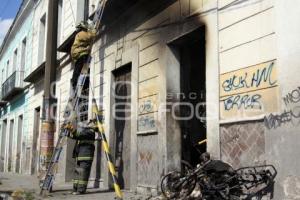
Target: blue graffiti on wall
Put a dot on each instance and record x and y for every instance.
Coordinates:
(146, 123)
(246, 80)
(243, 101)
(146, 106)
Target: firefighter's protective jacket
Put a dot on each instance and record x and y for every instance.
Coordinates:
(84, 148)
(82, 44)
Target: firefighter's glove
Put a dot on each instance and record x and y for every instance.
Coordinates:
(92, 122)
(98, 136)
(68, 127)
(93, 125)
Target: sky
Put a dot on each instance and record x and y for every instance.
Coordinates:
(8, 10)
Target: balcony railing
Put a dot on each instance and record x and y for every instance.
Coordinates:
(12, 86)
(2, 103)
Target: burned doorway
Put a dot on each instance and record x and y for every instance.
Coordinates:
(122, 124)
(191, 51)
(36, 135)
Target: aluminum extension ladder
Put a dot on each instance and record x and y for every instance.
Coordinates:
(69, 115)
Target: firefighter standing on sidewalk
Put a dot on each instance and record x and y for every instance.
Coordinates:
(84, 154)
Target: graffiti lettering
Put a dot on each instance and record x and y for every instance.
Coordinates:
(146, 106)
(146, 123)
(247, 81)
(275, 121)
(263, 75)
(235, 83)
(292, 97)
(243, 101)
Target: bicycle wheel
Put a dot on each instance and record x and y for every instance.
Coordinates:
(175, 185)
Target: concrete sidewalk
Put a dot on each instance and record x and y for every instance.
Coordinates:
(13, 182)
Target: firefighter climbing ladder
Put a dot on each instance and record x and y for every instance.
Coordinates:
(69, 115)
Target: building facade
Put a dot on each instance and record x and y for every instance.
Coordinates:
(15, 57)
(170, 74)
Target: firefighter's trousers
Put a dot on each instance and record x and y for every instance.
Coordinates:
(82, 174)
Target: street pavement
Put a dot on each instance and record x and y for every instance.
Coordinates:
(28, 185)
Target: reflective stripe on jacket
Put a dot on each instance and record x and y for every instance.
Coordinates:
(84, 151)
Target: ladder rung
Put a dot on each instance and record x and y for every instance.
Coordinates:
(58, 148)
(57, 155)
(47, 182)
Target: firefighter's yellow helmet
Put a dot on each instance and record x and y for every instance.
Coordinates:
(82, 26)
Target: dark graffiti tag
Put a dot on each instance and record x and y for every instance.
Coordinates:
(246, 80)
(243, 101)
(292, 97)
(287, 117)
